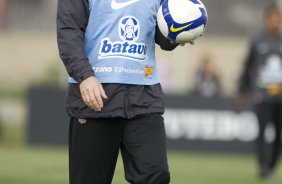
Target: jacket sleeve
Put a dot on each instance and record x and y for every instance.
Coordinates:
(246, 76)
(162, 41)
(72, 19)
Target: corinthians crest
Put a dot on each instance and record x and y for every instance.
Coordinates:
(129, 29)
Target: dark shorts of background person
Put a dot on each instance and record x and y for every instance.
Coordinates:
(94, 146)
(268, 113)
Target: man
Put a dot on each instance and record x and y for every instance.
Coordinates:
(206, 82)
(114, 97)
(262, 80)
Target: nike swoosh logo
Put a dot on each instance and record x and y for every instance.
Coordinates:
(174, 30)
(115, 5)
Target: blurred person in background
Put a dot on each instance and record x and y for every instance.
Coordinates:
(206, 82)
(4, 13)
(261, 79)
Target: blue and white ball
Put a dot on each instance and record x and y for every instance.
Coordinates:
(182, 21)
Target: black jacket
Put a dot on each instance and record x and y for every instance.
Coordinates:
(123, 100)
(263, 47)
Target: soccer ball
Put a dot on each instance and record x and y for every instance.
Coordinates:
(182, 21)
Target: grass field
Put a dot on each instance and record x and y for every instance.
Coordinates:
(49, 166)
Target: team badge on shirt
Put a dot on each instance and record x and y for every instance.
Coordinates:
(129, 29)
(128, 47)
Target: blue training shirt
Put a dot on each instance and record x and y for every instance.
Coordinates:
(120, 41)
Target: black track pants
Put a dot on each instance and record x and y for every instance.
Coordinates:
(94, 146)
